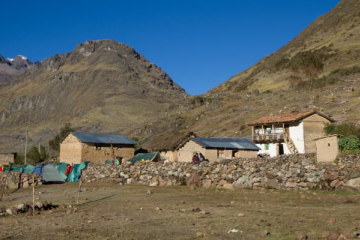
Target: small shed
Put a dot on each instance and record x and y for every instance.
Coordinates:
(214, 149)
(327, 148)
(79, 147)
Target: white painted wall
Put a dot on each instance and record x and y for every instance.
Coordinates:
(271, 152)
(296, 132)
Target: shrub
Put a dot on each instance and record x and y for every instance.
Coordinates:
(344, 129)
(349, 143)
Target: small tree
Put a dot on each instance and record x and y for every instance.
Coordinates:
(42, 154)
(33, 155)
(64, 132)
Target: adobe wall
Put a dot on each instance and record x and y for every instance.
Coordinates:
(170, 155)
(211, 155)
(313, 129)
(246, 154)
(327, 149)
(98, 154)
(6, 158)
(185, 153)
(70, 150)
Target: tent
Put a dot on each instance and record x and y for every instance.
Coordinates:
(146, 157)
(27, 168)
(75, 173)
(12, 169)
(61, 168)
(48, 173)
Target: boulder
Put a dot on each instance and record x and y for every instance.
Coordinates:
(206, 183)
(354, 183)
(194, 179)
(272, 183)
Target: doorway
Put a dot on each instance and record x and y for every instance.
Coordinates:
(281, 149)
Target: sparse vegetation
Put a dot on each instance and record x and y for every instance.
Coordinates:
(311, 63)
(345, 129)
(334, 77)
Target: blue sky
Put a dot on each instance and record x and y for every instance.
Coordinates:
(199, 43)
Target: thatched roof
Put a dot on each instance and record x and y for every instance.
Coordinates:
(168, 141)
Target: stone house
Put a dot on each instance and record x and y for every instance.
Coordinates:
(6, 158)
(214, 149)
(78, 147)
(289, 133)
(327, 148)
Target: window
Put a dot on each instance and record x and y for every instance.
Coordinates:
(328, 144)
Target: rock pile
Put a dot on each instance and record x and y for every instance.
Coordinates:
(15, 180)
(284, 172)
(23, 208)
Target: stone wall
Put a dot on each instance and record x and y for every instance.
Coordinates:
(284, 172)
(13, 180)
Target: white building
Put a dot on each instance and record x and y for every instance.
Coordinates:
(289, 133)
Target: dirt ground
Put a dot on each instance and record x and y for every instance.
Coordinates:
(109, 211)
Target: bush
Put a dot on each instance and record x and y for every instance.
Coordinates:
(349, 143)
(344, 129)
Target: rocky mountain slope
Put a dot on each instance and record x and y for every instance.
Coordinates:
(319, 69)
(101, 86)
(13, 67)
(104, 86)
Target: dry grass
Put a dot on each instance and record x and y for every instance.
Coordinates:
(109, 211)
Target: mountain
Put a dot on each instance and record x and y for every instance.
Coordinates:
(101, 86)
(318, 69)
(13, 67)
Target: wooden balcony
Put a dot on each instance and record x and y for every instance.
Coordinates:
(268, 138)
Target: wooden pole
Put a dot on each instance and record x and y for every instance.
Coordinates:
(78, 196)
(3, 189)
(26, 139)
(113, 153)
(33, 188)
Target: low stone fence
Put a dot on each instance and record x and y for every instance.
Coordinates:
(283, 172)
(13, 180)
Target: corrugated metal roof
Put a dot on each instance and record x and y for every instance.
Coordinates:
(227, 143)
(86, 137)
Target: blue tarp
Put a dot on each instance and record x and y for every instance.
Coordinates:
(38, 169)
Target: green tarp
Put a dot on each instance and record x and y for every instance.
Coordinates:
(61, 167)
(27, 168)
(12, 169)
(146, 157)
(76, 172)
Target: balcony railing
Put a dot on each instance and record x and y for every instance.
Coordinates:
(268, 137)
